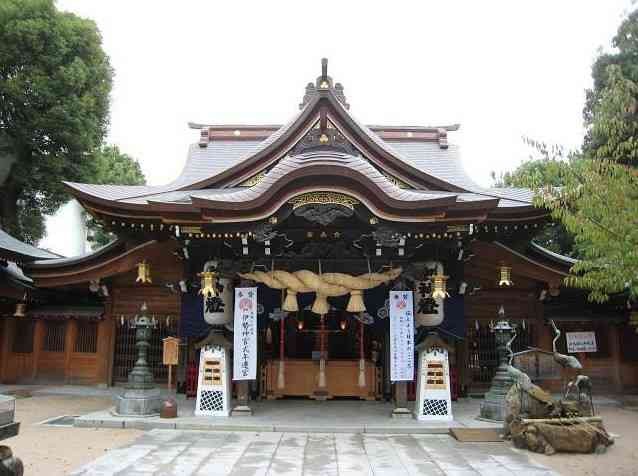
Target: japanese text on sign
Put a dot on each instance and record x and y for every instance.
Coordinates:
(401, 336)
(245, 339)
(581, 342)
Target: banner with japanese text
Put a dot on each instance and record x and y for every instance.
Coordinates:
(401, 336)
(245, 339)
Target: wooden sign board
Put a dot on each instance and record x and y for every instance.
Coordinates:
(171, 351)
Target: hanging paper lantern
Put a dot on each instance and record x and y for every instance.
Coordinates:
(428, 308)
(506, 276)
(218, 304)
(143, 273)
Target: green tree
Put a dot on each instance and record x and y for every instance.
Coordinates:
(110, 166)
(611, 107)
(553, 236)
(55, 81)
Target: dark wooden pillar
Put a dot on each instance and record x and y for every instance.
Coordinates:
(38, 341)
(69, 346)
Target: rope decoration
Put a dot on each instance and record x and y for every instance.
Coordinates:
(324, 285)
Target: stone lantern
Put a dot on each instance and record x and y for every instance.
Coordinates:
(493, 407)
(141, 397)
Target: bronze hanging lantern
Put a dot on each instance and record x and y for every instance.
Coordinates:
(209, 284)
(343, 324)
(506, 276)
(143, 273)
(21, 309)
(440, 286)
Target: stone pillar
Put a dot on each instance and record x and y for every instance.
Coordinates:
(243, 400)
(401, 401)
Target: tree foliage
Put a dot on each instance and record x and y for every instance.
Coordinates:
(110, 166)
(594, 193)
(55, 81)
(611, 107)
(553, 236)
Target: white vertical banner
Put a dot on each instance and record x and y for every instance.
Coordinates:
(401, 336)
(245, 339)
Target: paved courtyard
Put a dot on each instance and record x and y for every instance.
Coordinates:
(181, 452)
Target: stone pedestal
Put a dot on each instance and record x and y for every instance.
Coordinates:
(493, 407)
(401, 401)
(243, 401)
(134, 402)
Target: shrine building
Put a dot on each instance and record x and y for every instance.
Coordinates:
(306, 212)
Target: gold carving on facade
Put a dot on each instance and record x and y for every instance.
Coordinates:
(254, 180)
(396, 181)
(323, 198)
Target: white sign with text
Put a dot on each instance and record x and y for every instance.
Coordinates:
(401, 336)
(581, 342)
(245, 339)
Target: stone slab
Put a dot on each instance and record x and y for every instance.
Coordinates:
(322, 454)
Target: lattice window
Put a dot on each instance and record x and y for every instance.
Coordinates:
(86, 340)
(211, 400)
(482, 355)
(54, 336)
(435, 407)
(125, 353)
(23, 336)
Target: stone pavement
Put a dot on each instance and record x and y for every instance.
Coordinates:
(177, 452)
(339, 416)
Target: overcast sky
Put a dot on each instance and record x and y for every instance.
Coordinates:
(502, 69)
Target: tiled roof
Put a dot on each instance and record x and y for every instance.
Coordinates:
(20, 250)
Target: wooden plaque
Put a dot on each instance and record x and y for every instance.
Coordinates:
(171, 351)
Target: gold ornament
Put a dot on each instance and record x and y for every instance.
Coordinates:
(209, 284)
(143, 273)
(20, 310)
(506, 276)
(440, 287)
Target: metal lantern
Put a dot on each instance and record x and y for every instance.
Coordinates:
(506, 276)
(440, 286)
(209, 284)
(21, 309)
(143, 273)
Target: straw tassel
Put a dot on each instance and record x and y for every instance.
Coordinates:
(290, 303)
(355, 304)
(320, 306)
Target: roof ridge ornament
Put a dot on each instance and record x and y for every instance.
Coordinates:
(324, 82)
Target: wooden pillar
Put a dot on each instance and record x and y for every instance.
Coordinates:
(69, 346)
(105, 351)
(616, 356)
(38, 341)
(8, 330)
(106, 342)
